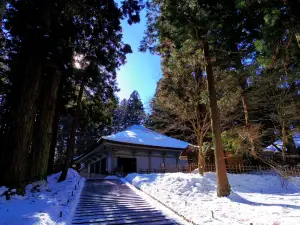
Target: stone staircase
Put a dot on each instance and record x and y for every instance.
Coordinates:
(110, 202)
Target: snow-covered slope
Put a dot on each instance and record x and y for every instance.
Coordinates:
(43, 205)
(256, 199)
(137, 134)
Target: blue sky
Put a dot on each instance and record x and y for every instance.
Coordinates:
(142, 70)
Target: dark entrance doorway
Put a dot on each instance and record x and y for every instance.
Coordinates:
(127, 165)
(96, 168)
(103, 166)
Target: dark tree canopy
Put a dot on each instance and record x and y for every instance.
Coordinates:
(59, 61)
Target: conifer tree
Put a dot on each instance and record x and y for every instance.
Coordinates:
(119, 117)
(43, 38)
(135, 114)
(181, 22)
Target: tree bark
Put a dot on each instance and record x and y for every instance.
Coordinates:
(201, 160)
(54, 135)
(43, 130)
(284, 142)
(71, 144)
(2, 10)
(290, 145)
(19, 135)
(200, 116)
(246, 114)
(3, 115)
(223, 187)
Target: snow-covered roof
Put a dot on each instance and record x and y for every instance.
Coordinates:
(140, 135)
(278, 143)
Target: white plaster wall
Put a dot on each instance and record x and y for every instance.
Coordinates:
(156, 163)
(142, 163)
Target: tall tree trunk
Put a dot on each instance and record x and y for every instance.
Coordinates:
(201, 160)
(54, 135)
(245, 107)
(3, 115)
(71, 143)
(2, 10)
(223, 187)
(43, 130)
(200, 114)
(291, 146)
(284, 141)
(55, 127)
(19, 136)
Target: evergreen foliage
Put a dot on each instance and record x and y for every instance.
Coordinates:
(234, 62)
(251, 48)
(60, 61)
(135, 114)
(129, 112)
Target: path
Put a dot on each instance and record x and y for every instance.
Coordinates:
(110, 202)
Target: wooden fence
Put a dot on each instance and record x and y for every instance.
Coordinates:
(234, 169)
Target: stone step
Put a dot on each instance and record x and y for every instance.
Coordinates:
(110, 200)
(124, 221)
(115, 212)
(113, 203)
(112, 208)
(112, 196)
(119, 217)
(125, 214)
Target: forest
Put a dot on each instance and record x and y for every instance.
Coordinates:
(230, 76)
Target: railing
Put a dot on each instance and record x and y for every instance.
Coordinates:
(170, 169)
(234, 169)
(239, 169)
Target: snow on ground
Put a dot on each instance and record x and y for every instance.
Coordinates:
(257, 199)
(167, 212)
(137, 134)
(43, 207)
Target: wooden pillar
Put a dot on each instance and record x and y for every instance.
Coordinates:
(99, 166)
(134, 156)
(112, 162)
(89, 168)
(177, 161)
(164, 160)
(106, 159)
(92, 168)
(133, 152)
(149, 161)
(109, 163)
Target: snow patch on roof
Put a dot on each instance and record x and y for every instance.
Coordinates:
(137, 134)
(279, 143)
